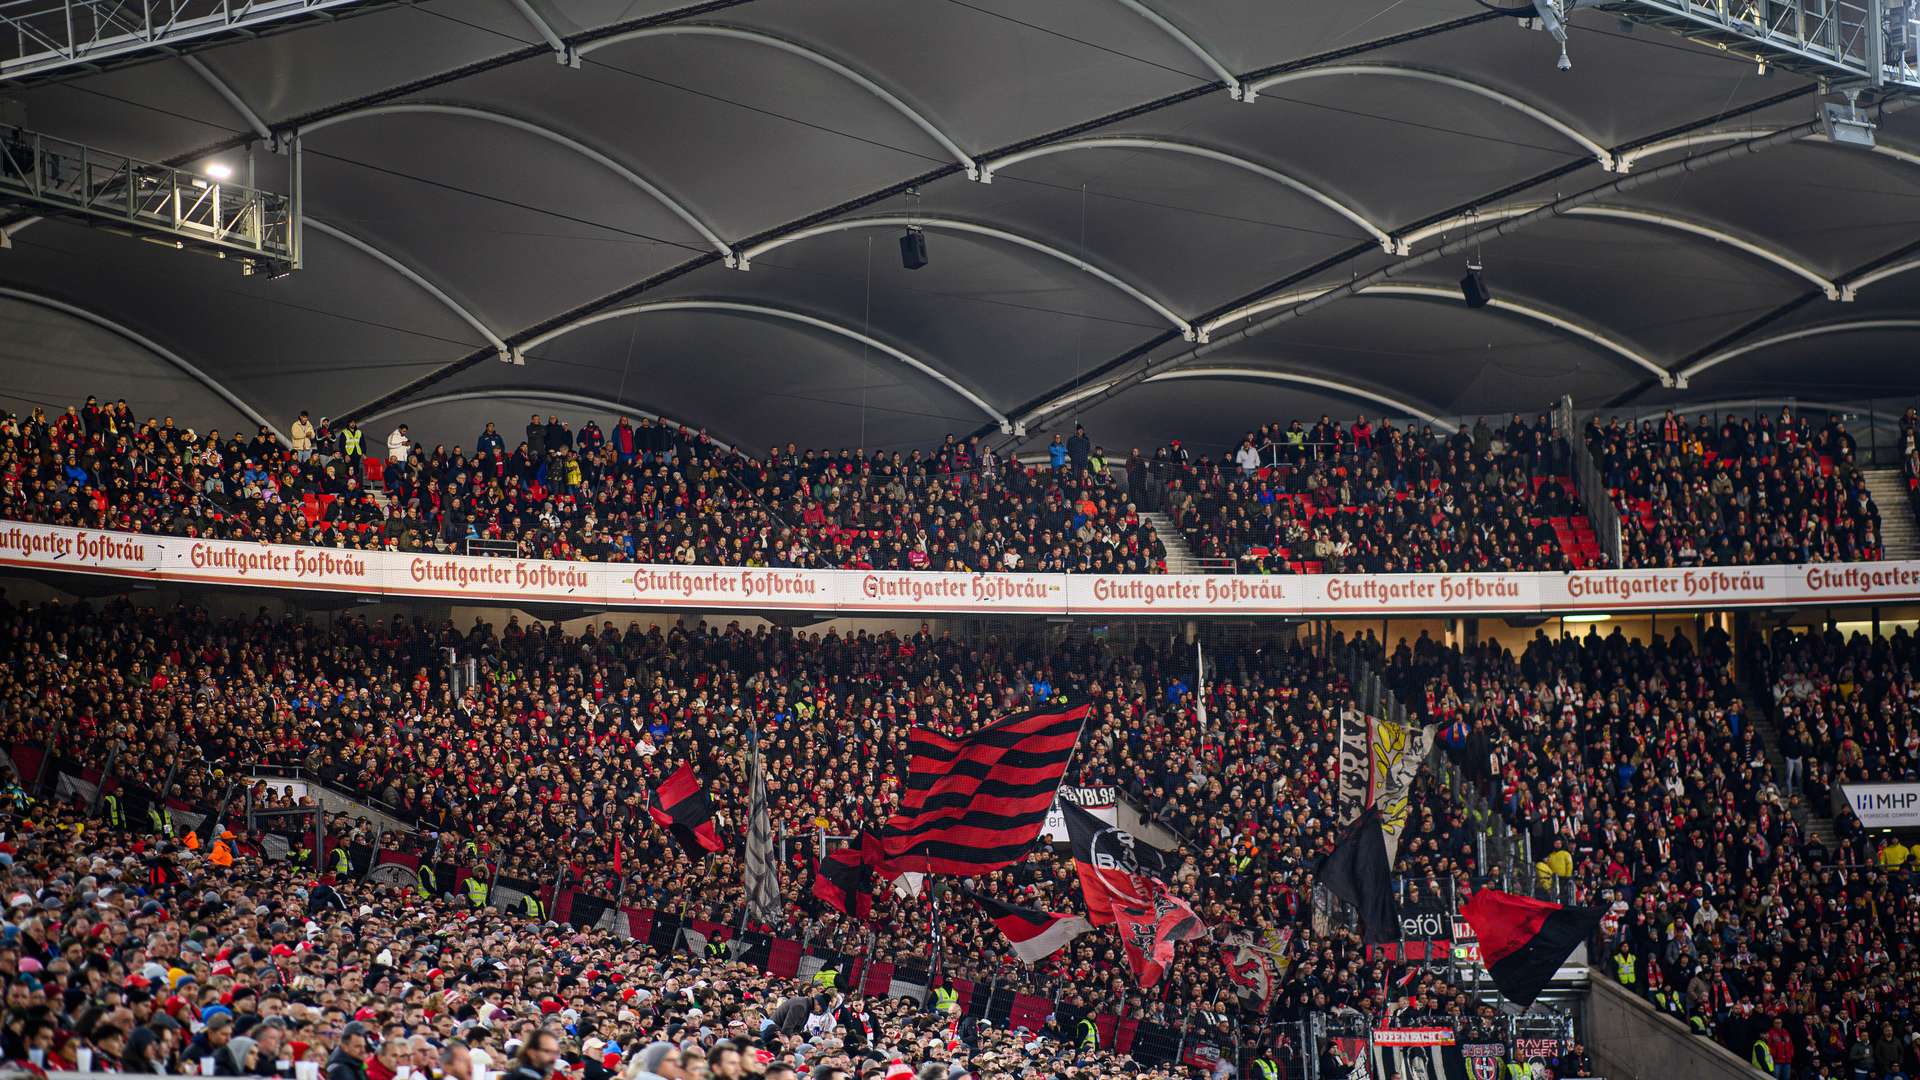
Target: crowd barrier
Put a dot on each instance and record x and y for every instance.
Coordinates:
(397, 575)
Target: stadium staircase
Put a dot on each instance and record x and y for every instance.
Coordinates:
(1899, 534)
(1814, 823)
(1180, 559)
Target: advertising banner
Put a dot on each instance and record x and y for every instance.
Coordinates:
(1881, 806)
(405, 575)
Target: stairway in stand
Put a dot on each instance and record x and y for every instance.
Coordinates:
(1899, 534)
(1814, 822)
(1180, 558)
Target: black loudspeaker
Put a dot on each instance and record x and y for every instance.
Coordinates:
(1475, 290)
(913, 249)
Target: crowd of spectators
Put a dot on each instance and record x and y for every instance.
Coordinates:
(1738, 491)
(137, 955)
(1635, 776)
(1845, 709)
(639, 492)
(541, 764)
(1360, 498)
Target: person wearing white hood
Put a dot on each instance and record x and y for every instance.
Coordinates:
(659, 1060)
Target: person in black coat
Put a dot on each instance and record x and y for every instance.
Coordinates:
(349, 1059)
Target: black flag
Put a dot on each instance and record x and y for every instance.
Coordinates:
(1356, 871)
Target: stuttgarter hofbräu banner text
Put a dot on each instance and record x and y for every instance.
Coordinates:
(400, 575)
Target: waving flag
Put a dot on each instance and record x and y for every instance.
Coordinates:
(1034, 935)
(1150, 926)
(1251, 969)
(1114, 866)
(1524, 941)
(680, 806)
(976, 803)
(762, 872)
(1357, 871)
(844, 880)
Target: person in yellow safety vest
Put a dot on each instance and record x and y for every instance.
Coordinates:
(1762, 1056)
(351, 441)
(1626, 969)
(476, 893)
(825, 977)
(1089, 1033)
(945, 999)
(533, 907)
(717, 948)
(341, 864)
(302, 855)
(110, 809)
(159, 821)
(1267, 1068)
(426, 882)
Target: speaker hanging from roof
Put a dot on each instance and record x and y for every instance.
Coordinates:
(913, 248)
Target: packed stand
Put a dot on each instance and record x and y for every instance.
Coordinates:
(541, 765)
(1360, 498)
(1639, 783)
(1742, 491)
(135, 955)
(1845, 709)
(645, 492)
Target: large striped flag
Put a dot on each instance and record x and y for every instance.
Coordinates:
(976, 803)
(1034, 935)
(762, 873)
(680, 805)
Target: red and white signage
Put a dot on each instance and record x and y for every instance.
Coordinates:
(402, 575)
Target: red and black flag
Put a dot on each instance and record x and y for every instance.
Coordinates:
(976, 803)
(680, 805)
(1357, 871)
(1150, 926)
(1034, 935)
(844, 881)
(1524, 941)
(1113, 865)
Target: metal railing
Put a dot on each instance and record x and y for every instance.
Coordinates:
(187, 207)
(1872, 40)
(1594, 497)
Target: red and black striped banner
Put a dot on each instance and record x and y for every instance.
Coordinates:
(976, 803)
(681, 806)
(1034, 934)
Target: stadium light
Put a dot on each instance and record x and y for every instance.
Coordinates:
(219, 171)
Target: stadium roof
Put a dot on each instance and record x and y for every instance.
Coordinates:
(466, 190)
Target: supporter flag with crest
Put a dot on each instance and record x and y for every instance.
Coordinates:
(1112, 863)
(1122, 881)
(1149, 928)
(681, 806)
(1253, 970)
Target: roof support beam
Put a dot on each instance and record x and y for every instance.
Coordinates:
(228, 94)
(1687, 373)
(1452, 296)
(1120, 142)
(901, 221)
(562, 51)
(1643, 217)
(173, 359)
(730, 307)
(1319, 382)
(1709, 138)
(1852, 287)
(531, 393)
(420, 282)
(542, 131)
(791, 48)
(1400, 71)
(1234, 89)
